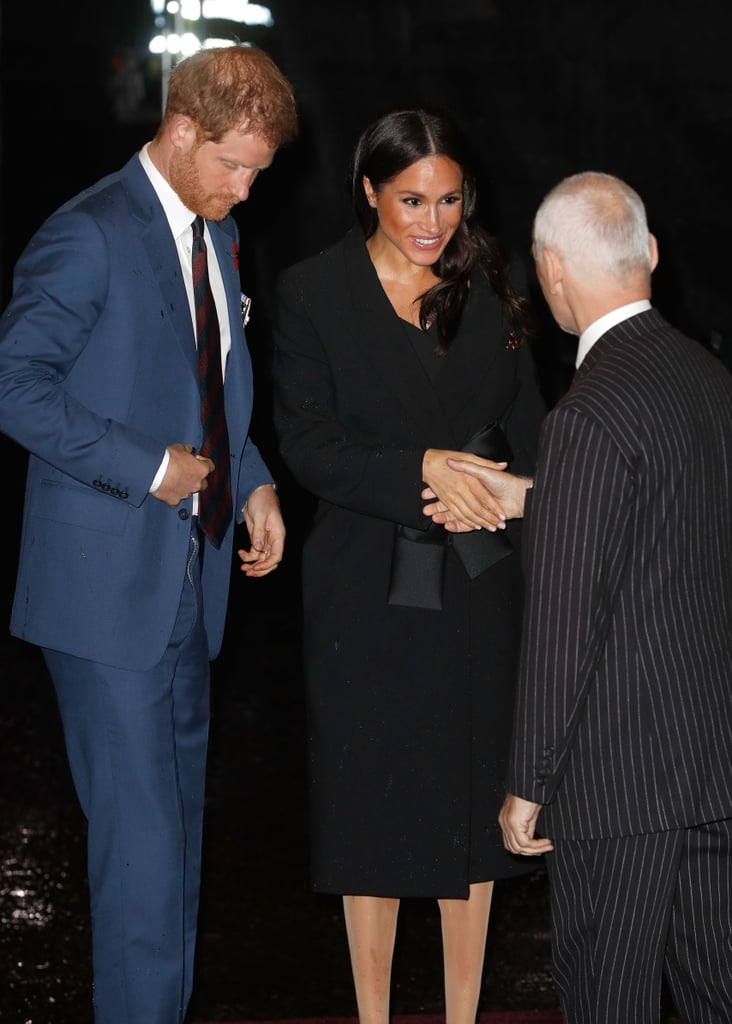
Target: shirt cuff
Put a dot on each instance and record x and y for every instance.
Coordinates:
(159, 476)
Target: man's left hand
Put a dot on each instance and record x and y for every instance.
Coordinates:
(518, 822)
(266, 532)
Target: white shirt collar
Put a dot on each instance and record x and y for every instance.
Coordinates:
(179, 216)
(596, 330)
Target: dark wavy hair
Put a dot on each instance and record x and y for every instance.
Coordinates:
(386, 148)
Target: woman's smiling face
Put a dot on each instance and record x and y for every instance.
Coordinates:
(420, 209)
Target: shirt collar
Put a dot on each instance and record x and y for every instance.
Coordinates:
(178, 215)
(596, 330)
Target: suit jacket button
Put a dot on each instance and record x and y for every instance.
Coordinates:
(183, 513)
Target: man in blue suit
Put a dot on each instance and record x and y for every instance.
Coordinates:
(118, 582)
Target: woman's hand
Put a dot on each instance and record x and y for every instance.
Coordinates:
(506, 489)
(462, 501)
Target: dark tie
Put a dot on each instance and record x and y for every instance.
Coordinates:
(214, 503)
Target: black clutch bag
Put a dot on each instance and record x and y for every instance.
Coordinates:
(490, 443)
(418, 556)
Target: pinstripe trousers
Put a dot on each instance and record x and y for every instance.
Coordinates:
(624, 910)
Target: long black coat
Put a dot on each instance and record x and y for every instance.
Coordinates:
(409, 708)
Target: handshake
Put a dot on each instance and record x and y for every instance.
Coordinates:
(466, 492)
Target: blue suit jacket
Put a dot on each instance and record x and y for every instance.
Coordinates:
(98, 374)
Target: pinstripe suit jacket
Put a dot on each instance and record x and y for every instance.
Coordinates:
(624, 710)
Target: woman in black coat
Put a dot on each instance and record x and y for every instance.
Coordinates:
(395, 349)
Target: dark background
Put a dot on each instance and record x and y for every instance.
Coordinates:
(638, 89)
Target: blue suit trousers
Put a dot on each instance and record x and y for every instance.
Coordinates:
(137, 744)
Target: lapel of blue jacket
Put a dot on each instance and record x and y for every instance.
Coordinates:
(145, 207)
(238, 379)
(223, 236)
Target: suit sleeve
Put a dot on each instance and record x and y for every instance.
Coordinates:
(61, 283)
(576, 527)
(254, 473)
(334, 461)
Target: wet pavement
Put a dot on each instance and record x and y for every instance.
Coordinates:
(268, 948)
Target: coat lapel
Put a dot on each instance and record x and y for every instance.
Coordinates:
(163, 257)
(165, 270)
(464, 397)
(383, 338)
(469, 383)
(238, 378)
(223, 243)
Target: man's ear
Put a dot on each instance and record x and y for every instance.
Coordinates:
(182, 131)
(554, 270)
(654, 251)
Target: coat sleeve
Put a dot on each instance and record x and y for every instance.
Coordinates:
(524, 419)
(335, 462)
(61, 282)
(575, 542)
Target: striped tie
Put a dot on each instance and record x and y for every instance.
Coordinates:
(214, 503)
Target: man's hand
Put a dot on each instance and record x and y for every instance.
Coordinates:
(185, 475)
(506, 489)
(462, 499)
(266, 532)
(518, 822)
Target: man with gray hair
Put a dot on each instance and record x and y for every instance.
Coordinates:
(622, 750)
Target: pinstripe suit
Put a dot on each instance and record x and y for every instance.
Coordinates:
(623, 725)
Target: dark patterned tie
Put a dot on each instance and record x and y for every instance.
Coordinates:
(214, 503)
